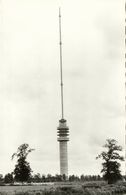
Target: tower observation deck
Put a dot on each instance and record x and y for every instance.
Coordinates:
(62, 130)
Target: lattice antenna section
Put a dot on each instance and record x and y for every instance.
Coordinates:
(61, 67)
(125, 89)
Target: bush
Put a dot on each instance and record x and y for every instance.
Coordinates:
(22, 193)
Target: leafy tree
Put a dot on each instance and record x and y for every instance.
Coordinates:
(49, 176)
(111, 157)
(37, 178)
(1, 179)
(43, 178)
(8, 178)
(73, 178)
(82, 178)
(22, 171)
(58, 177)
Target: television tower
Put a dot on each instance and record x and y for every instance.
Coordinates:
(63, 130)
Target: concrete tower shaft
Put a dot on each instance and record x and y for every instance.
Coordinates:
(63, 158)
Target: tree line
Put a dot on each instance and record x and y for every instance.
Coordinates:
(38, 178)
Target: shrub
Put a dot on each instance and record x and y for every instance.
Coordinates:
(21, 193)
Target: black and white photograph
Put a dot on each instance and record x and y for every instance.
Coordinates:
(62, 97)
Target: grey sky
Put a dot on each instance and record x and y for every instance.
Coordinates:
(93, 70)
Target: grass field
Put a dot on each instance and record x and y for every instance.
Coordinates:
(91, 188)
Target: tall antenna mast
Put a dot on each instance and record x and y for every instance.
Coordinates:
(125, 90)
(61, 69)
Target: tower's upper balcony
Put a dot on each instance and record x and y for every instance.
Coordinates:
(63, 131)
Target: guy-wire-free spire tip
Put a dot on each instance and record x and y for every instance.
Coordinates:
(61, 68)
